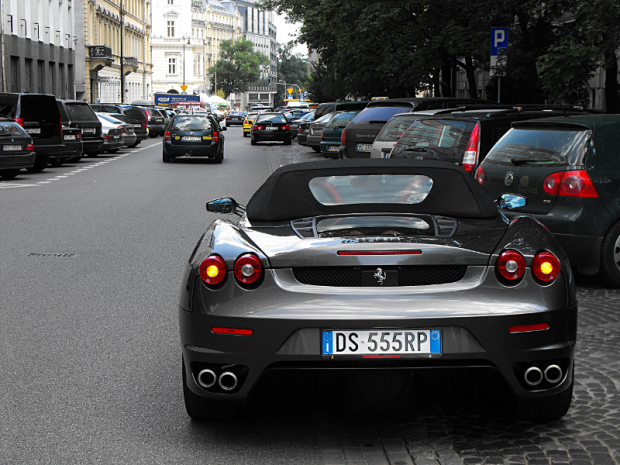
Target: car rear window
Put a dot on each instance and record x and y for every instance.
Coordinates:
(80, 112)
(40, 107)
(279, 118)
(540, 146)
(111, 119)
(12, 129)
(367, 189)
(192, 123)
(135, 114)
(396, 127)
(382, 114)
(342, 119)
(121, 118)
(435, 139)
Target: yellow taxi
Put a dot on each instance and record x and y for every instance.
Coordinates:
(248, 122)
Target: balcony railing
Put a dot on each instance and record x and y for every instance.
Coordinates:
(130, 61)
(99, 51)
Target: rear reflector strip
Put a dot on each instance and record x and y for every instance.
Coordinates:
(381, 252)
(235, 331)
(528, 328)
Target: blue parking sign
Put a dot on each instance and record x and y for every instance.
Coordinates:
(499, 39)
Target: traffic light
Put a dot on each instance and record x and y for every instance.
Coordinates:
(269, 81)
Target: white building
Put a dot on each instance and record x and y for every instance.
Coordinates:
(186, 42)
(39, 41)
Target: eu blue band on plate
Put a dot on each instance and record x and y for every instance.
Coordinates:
(328, 346)
(435, 341)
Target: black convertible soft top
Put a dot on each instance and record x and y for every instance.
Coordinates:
(285, 195)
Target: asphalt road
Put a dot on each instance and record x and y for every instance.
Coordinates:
(90, 364)
(91, 260)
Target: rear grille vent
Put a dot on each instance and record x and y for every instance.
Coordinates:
(306, 227)
(364, 276)
(445, 227)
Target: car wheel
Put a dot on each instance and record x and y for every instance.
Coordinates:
(545, 409)
(219, 157)
(253, 142)
(316, 149)
(609, 271)
(9, 174)
(166, 157)
(134, 145)
(201, 409)
(40, 162)
(113, 151)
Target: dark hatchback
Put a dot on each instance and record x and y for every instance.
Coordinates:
(362, 131)
(569, 171)
(331, 136)
(271, 127)
(16, 149)
(194, 137)
(303, 127)
(38, 114)
(77, 114)
(137, 117)
(465, 137)
(154, 122)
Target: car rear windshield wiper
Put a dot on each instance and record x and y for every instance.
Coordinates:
(416, 149)
(377, 121)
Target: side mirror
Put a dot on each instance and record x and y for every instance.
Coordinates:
(225, 205)
(223, 128)
(511, 201)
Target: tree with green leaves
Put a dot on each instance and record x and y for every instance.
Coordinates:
(238, 66)
(292, 69)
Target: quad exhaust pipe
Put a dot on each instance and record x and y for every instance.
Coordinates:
(227, 381)
(534, 375)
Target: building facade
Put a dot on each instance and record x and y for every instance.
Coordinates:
(38, 47)
(186, 42)
(117, 41)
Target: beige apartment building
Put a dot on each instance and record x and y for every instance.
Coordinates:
(107, 50)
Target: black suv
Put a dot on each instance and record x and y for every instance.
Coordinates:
(78, 114)
(465, 137)
(137, 117)
(331, 107)
(359, 135)
(38, 114)
(154, 122)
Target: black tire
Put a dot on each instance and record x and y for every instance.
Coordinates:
(609, 271)
(134, 145)
(166, 158)
(288, 142)
(201, 409)
(253, 142)
(245, 134)
(219, 157)
(56, 162)
(316, 149)
(8, 174)
(545, 409)
(113, 151)
(40, 163)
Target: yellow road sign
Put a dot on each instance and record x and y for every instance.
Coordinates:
(184, 88)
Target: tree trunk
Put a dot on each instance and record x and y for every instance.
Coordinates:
(612, 105)
(471, 77)
(446, 75)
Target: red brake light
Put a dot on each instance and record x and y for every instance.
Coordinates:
(144, 125)
(213, 270)
(78, 136)
(20, 121)
(248, 268)
(30, 147)
(216, 136)
(546, 267)
(510, 265)
(574, 183)
(235, 331)
(343, 137)
(148, 116)
(286, 128)
(529, 328)
(480, 175)
(470, 157)
(167, 136)
(107, 136)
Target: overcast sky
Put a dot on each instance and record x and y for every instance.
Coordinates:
(286, 31)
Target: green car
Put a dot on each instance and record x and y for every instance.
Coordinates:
(332, 133)
(569, 170)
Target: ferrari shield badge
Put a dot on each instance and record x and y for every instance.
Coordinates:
(509, 179)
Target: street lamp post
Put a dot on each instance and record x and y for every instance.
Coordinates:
(188, 43)
(122, 68)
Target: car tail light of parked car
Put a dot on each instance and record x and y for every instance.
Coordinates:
(213, 270)
(343, 138)
(20, 121)
(511, 266)
(30, 147)
(216, 136)
(248, 269)
(167, 136)
(480, 175)
(546, 267)
(575, 183)
(470, 157)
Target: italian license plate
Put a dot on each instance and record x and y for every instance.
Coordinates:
(392, 343)
(364, 147)
(332, 148)
(137, 125)
(271, 128)
(190, 138)
(117, 137)
(89, 130)
(33, 130)
(9, 148)
(69, 137)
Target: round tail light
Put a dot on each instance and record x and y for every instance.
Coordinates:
(546, 267)
(213, 270)
(511, 265)
(248, 268)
